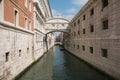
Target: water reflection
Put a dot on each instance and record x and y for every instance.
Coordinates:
(42, 70)
(60, 65)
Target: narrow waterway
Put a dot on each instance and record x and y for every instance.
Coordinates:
(60, 65)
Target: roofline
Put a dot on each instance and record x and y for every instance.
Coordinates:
(80, 11)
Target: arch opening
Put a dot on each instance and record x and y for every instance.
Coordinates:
(59, 39)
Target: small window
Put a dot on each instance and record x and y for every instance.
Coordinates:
(20, 52)
(83, 31)
(83, 47)
(74, 24)
(91, 28)
(78, 21)
(84, 17)
(27, 50)
(105, 24)
(7, 56)
(78, 32)
(104, 53)
(91, 49)
(104, 3)
(30, 25)
(16, 18)
(78, 46)
(26, 23)
(92, 11)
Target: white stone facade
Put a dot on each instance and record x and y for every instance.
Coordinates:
(16, 50)
(95, 35)
(57, 23)
(41, 13)
(20, 47)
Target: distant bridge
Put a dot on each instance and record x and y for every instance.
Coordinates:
(58, 43)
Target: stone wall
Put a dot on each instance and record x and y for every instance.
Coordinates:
(16, 51)
(22, 33)
(99, 45)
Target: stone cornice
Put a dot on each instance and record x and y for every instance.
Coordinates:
(84, 8)
(61, 18)
(39, 31)
(21, 9)
(39, 10)
(10, 26)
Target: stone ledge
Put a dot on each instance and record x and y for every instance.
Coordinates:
(8, 25)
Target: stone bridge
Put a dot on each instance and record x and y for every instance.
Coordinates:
(56, 24)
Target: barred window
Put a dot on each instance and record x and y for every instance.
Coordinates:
(105, 24)
(104, 53)
(104, 3)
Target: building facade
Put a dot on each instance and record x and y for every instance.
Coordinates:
(22, 29)
(42, 11)
(16, 39)
(95, 35)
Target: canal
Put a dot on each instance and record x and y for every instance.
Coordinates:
(60, 65)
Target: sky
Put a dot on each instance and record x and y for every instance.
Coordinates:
(66, 8)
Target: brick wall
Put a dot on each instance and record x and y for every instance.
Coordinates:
(23, 12)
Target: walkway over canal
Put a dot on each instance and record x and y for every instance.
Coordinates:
(60, 65)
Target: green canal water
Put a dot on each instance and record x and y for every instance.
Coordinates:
(60, 65)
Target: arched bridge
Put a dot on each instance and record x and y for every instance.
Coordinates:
(56, 24)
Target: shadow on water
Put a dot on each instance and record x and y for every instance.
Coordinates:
(60, 65)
